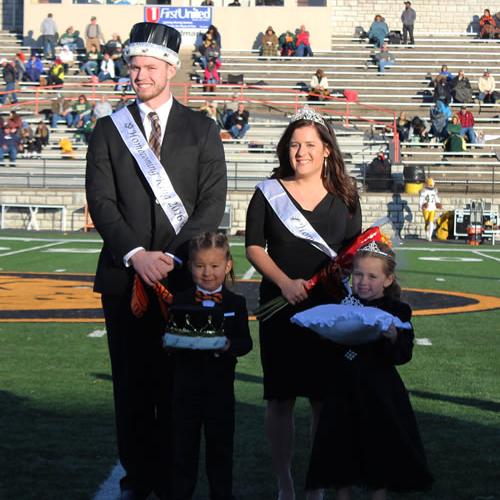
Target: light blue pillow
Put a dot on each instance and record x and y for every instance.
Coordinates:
(347, 324)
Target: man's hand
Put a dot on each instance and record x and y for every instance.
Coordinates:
(152, 266)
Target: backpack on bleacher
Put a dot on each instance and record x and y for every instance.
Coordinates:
(395, 37)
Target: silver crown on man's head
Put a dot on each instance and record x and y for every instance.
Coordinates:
(372, 247)
(307, 113)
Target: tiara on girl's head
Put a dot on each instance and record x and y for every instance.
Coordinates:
(372, 247)
(306, 113)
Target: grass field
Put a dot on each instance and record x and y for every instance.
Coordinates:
(56, 418)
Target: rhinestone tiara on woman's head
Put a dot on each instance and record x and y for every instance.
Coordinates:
(307, 113)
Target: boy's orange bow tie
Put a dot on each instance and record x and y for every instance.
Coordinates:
(214, 297)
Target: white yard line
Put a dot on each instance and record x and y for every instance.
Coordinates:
(485, 255)
(72, 240)
(250, 272)
(30, 249)
(110, 488)
(441, 249)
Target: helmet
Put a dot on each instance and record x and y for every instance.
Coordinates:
(429, 182)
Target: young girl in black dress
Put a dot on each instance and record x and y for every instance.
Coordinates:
(204, 380)
(367, 434)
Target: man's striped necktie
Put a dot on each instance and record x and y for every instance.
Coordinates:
(155, 135)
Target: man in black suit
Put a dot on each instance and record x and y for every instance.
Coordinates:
(147, 203)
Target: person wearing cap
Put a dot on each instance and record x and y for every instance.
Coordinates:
(408, 18)
(428, 203)
(156, 177)
(93, 35)
(486, 85)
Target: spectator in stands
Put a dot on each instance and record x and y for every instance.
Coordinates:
(114, 47)
(20, 67)
(488, 25)
(235, 3)
(287, 43)
(61, 110)
(486, 85)
(211, 75)
(445, 72)
(9, 143)
(214, 35)
(210, 52)
(303, 44)
(211, 110)
(67, 57)
(48, 37)
(69, 38)
(461, 89)
(439, 114)
(107, 69)
(384, 58)
(14, 122)
(454, 141)
(442, 89)
(207, 3)
(318, 88)
(56, 73)
(26, 144)
(408, 18)
(467, 123)
(34, 68)
(41, 138)
(91, 65)
(270, 43)
(403, 127)
(122, 102)
(378, 31)
(82, 111)
(238, 122)
(102, 108)
(9, 77)
(93, 35)
(84, 129)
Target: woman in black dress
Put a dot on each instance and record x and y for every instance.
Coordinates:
(312, 180)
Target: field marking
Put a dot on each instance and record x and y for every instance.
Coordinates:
(30, 249)
(451, 259)
(97, 333)
(249, 273)
(110, 488)
(444, 249)
(70, 240)
(73, 250)
(477, 252)
(423, 341)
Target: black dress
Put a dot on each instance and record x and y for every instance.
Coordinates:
(367, 434)
(291, 356)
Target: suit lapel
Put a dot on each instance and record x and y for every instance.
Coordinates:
(173, 134)
(134, 111)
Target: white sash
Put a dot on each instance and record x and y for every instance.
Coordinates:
(293, 220)
(152, 169)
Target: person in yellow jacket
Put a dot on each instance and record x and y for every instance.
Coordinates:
(428, 202)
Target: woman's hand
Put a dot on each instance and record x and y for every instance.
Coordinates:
(391, 334)
(294, 291)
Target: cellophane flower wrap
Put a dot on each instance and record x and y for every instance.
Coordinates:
(331, 276)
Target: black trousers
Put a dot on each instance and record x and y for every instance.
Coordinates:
(408, 30)
(142, 386)
(203, 398)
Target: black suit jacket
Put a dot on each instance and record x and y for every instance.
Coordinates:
(122, 204)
